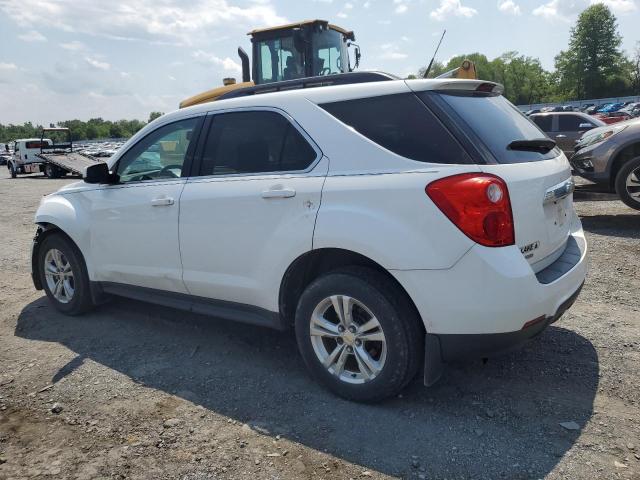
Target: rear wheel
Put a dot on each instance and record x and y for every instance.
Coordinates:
(358, 335)
(628, 183)
(51, 171)
(64, 275)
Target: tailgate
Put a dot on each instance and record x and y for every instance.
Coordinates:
(542, 203)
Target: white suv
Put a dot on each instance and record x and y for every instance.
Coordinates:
(393, 224)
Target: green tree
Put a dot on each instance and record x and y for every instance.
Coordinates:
(592, 66)
(154, 115)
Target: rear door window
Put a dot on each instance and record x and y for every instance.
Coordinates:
(570, 123)
(254, 142)
(494, 121)
(402, 124)
(544, 122)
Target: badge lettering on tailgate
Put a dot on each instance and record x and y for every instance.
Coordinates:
(527, 250)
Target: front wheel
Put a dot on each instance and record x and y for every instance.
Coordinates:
(628, 183)
(358, 334)
(12, 170)
(64, 275)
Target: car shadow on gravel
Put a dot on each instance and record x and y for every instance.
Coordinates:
(623, 225)
(495, 420)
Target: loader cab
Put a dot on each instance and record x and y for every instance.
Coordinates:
(301, 50)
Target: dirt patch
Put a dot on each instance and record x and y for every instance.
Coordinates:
(147, 392)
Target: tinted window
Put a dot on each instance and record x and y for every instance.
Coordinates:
(159, 155)
(544, 122)
(570, 123)
(402, 124)
(496, 122)
(254, 142)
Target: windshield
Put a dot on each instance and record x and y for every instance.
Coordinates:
(497, 123)
(329, 52)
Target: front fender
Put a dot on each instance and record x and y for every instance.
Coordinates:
(62, 212)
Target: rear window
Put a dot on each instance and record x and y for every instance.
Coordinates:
(402, 124)
(36, 144)
(495, 121)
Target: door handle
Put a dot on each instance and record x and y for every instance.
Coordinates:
(162, 202)
(279, 193)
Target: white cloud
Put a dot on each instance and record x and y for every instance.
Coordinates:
(74, 46)
(390, 52)
(509, 7)
(452, 7)
(7, 67)
(619, 6)
(401, 8)
(567, 10)
(97, 64)
(166, 21)
(32, 36)
(226, 63)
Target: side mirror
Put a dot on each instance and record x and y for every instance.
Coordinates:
(97, 173)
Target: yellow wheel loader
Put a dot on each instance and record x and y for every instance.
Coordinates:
(305, 54)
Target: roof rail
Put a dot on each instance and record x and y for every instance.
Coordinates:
(310, 82)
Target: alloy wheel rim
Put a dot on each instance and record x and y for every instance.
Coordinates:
(59, 275)
(632, 184)
(348, 339)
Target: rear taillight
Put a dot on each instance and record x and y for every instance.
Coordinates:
(478, 204)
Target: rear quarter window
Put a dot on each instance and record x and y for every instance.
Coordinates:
(402, 124)
(494, 121)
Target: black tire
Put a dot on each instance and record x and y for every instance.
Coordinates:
(12, 170)
(396, 315)
(80, 302)
(629, 169)
(51, 171)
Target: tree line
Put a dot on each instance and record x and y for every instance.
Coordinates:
(593, 66)
(93, 129)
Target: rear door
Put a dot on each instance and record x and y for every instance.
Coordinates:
(570, 129)
(542, 214)
(252, 209)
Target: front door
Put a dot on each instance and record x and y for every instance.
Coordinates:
(252, 210)
(134, 223)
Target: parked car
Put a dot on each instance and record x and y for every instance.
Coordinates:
(359, 215)
(565, 128)
(531, 112)
(610, 107)
(633, 109)
(613, 117)
(610, 156)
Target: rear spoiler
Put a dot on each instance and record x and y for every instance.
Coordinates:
(453, 84)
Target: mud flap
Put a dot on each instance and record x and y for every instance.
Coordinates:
(433, 365)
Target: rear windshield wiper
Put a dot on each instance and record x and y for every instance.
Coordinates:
(542, 145)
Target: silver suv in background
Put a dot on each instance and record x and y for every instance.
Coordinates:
(610, 156)
(565, 128)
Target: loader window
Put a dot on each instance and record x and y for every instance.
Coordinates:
(402, 124)
(279, 60)
(328, 55)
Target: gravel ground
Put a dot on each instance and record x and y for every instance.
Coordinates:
(137, 391)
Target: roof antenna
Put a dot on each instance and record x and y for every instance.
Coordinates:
(426, 72)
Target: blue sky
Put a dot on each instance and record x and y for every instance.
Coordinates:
(63, 59)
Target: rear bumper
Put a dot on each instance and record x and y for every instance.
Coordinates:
(453, 347)
(495, 290)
